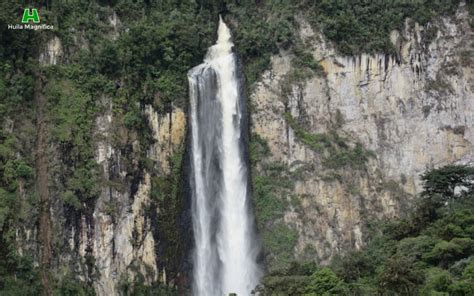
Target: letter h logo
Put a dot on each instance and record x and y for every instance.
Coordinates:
(30, 15)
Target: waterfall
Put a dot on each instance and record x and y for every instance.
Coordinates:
(225, 255)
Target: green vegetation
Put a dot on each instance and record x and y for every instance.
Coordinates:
(365, 26)
(17, 273)
(303, 67)
(138, 287)
(72, 113)
(304, 59)
(69, 286)
(279, 242)
(335, 149)
(429, 252)
(271, 184)
(317, 142)
(166, 192)
(444, 181)
(267, 205)
(263, 28)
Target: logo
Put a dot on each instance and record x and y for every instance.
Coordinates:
(30, 15)
(30, 21)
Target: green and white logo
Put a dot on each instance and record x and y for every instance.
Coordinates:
(30, 21)
(30, 15)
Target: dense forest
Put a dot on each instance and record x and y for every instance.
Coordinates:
(427, 252)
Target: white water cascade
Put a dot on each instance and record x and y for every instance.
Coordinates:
(226, 248)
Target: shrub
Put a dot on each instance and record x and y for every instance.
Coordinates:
(280, 241)
(337, 154)
(444, 253)
(71, 199)
(132, 120)
(325, 282)
(437, 282)
(416, 247)
(69, 286)
(400, 275)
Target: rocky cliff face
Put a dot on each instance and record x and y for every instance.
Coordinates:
(413, 110)
(123, 243)
(120, 236)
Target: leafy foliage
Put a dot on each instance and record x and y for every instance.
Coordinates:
(271, 183)
(68, 286)
(336, 152)
(353, 27)
(18, 276)
(325, 282)
(138, 287)
(446, 180)
(280, 241)
(263, 29)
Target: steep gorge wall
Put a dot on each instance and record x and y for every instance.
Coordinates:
(413, 110)
(123, 235)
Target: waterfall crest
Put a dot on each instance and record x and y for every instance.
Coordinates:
(226, 249)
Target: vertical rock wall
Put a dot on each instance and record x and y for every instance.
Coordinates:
(113, 238)
(414, 110)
